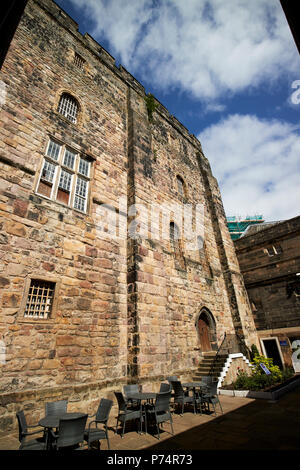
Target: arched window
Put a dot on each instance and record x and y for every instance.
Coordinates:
(180, 186)
(176, 245)
(68, 107)
(174, 233)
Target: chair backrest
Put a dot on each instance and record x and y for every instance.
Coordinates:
(213, 388)
(103, 411)
(172, 378)
(164, 387)
(56, 407)
(177, 387)
(130, 388)
(207, 379)
(121, 401)
(22, 423)
(71, 431)
(162, 402)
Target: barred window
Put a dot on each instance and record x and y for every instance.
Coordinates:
(274, 250)
(40, 299)
(68, 107)
(65, 176)
(79, 61)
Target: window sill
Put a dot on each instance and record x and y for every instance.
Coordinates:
(84, 214)
(40, 321)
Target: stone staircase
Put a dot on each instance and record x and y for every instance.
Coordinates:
(207, 362)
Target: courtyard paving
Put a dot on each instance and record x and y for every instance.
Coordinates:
(247, 424)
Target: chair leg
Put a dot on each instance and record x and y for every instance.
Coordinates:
(171, 421)
(157, 427)
(122, 435)
(108, 445)
(220, 406)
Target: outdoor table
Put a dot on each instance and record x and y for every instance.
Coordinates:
(52, 421)
(193, 385)
(143, 396)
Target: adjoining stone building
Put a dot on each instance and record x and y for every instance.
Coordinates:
(269, 258)
(84, 307)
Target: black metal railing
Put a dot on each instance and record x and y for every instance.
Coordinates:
(231, 344)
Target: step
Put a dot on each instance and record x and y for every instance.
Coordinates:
(210, 363)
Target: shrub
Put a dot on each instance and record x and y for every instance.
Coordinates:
(254, 351)
(259, 380)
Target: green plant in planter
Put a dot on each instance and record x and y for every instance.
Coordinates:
(150, 105)
(258, 379)
(254, 351)
(268, 361)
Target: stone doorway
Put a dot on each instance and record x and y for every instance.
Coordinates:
(206, 328)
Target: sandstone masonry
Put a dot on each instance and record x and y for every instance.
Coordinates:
(122, 308)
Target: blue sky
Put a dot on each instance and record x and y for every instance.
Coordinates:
(226, 70)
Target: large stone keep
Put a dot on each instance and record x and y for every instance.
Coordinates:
(86, 306)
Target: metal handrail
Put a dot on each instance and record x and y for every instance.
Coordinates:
(217, 356)
(231, 343)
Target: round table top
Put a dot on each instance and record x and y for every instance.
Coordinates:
(193, 384)
(52, 421)
(142, 395)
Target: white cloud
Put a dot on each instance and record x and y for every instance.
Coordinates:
(257, 165)
(206, 48)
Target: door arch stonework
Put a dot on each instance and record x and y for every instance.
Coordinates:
(206, 330)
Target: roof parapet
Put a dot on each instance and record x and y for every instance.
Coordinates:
(130, 78)
(99, 50)
(59, 14)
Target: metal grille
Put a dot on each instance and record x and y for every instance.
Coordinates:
(79, 61)
(40, 299)
(68, 107)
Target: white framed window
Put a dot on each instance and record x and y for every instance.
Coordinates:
(65, 176)
(68, 106)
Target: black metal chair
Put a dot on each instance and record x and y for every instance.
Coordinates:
(56, 407)
(129, 389)
(211, 397)
(70, 434)
(172, 378)
(31, 444)
(164, 387)
(94, 433)
(180, 398)
(128, 412)
(160, 412)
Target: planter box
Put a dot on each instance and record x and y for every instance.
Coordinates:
(241, 393)
(269, 395)
(229, 393)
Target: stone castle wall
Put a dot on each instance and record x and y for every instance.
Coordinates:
(125, 308)
(269, 261)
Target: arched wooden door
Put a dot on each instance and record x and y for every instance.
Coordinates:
(204, 336)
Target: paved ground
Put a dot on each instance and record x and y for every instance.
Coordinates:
(246, 424)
